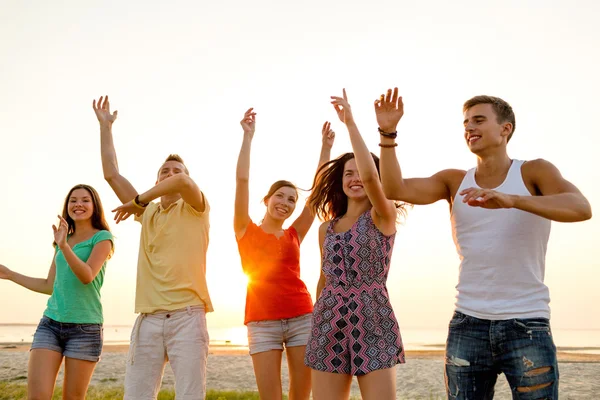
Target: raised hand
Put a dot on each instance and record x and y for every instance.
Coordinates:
(127, 210)
(249, 123)
(4, 272)
(389, 109)
(342, 108)
(328, 135)
(487, 198)
(60, 233)
(102, 110)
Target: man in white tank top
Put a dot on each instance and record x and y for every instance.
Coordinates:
(500, 212)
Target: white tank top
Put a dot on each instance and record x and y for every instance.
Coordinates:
(502, 255)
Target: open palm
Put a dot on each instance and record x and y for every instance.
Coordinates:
(389, 109)
(102, 110)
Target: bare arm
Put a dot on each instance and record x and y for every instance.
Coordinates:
(180, 184)
(367, 169)
(558, 199)
(241, 217)
(86, 271)
(39, 285)
(120, 185)
(303, 223)
(322, 233)
(389, 109)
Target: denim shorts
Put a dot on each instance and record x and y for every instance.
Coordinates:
(478, 350)
(79, 341)
(273, 334)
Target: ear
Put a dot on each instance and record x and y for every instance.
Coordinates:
(507, 129)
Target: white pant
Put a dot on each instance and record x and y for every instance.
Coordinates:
(180, 337)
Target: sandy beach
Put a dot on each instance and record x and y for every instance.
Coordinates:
(230, 368)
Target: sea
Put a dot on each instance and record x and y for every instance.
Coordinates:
(570, 340)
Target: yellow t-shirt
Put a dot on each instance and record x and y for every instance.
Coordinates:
(171, 270)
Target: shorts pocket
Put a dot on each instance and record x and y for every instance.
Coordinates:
(90, 329)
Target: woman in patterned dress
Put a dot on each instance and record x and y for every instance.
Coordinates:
(354, 330)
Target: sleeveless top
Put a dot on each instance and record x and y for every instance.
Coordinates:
(502, 255)
(275, 290)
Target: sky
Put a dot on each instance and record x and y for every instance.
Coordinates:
(182, 73)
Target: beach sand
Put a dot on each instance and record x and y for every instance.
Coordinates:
(230, 368)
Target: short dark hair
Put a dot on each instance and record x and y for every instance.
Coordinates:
(503, 110)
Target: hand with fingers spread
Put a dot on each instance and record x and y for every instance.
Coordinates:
(487, 198)
(342, 107)
(102, 110)
(127, 210)
(249, 123)
(328, 135)
(60, 233)
(389, 109)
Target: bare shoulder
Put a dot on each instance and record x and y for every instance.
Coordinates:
(452, 178)
(323, 228)
(538, 165)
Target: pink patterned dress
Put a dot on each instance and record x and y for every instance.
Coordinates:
(354, 329)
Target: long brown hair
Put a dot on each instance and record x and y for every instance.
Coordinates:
(327, 199)
(98, 220)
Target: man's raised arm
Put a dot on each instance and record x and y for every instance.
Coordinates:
(389, 109)
(121, 186)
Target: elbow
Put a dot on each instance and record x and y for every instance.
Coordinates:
(110, 177)
(586, 213)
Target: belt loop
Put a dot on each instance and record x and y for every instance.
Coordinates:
(189, 310)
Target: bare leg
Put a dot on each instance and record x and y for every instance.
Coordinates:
(378, 385)
(78, 374)
(330, 386)
(41, 376)
(267, 369)
(299, 373)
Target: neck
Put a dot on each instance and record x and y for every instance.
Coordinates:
(270, 224)
(166, 201)
(357, 207)
(83, 227)
(493, 163)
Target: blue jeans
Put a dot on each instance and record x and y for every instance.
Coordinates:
(79, 341)
(478, 350)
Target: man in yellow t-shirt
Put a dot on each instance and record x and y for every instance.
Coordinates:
(171, 292)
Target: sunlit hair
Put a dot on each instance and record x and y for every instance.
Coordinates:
(503, 110)
(174, 157)
(278, 185)
(97, 219)
(327, 199)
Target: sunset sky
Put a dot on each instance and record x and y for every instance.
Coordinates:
(182, 73)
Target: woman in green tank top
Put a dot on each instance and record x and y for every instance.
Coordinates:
(71, 326)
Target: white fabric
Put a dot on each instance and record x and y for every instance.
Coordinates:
(181, 337)
(502, 254)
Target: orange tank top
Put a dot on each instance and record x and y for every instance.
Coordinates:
(275, 290)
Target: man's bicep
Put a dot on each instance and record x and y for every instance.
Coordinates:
(548, 180)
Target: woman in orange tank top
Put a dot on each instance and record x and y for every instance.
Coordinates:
(278, 304)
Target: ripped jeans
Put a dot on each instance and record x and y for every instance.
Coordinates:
(478, 350)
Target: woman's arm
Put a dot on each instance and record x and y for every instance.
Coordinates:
(241, 218)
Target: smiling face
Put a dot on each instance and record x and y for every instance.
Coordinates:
(282, 203)
(351, 183)
(482, 129)
(80, 205)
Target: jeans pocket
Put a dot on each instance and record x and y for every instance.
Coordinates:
(532, 325)
(458, 319)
